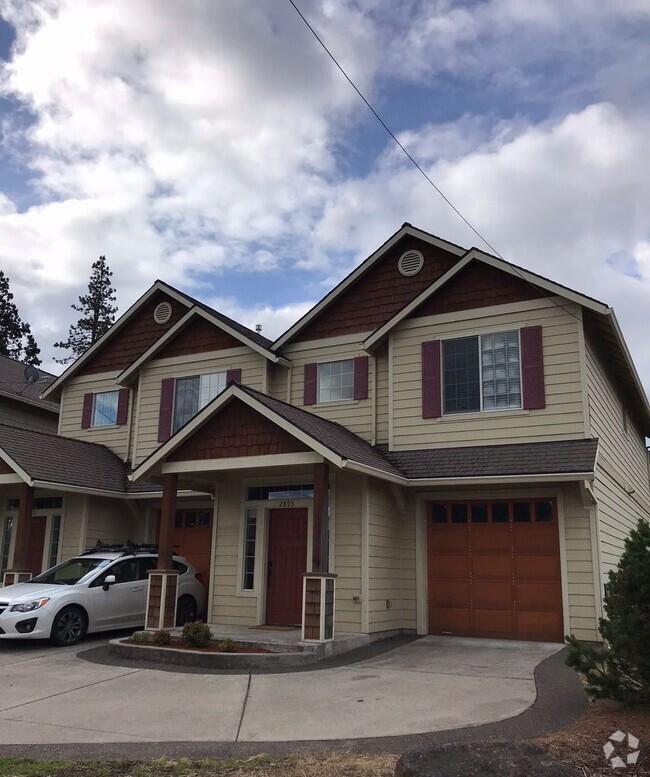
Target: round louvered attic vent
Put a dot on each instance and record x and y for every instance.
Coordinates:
(162, 313)
(410, 262)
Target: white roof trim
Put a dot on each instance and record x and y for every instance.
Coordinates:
(497, 479)
(499, 264)
(407, 229)
(242, 462)
(232, 392)
(121, 321)
(26, 477)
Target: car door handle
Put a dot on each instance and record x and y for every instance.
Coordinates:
(141, 588)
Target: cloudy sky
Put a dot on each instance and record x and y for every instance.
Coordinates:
(214, 145)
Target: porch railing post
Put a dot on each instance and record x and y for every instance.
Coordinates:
(162, 590)
(19, 572)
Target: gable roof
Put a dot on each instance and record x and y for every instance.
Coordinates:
(13, 385)
(474, 254)
(239, 330)
(334, 442)
(219, 321)
(362, 269)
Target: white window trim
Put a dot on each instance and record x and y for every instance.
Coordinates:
(111, 425)
(479, 413)
(327, 402)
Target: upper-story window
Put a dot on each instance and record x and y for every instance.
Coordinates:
(105, 408)
(493, 371)
(482, 373)
(336, 380)
(193, 393)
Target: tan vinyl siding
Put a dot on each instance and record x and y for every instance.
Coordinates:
(580, 578)
(355, 415)
(111, 521)
(278, 381)
(622, 464)
(381, 362)
(227, 607)
(251, 363)
(347, 552)
(391, 562)
(72, 529)
(562, 418)
(72, 398)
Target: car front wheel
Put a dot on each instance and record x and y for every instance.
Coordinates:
(69, 627)
(186, 610)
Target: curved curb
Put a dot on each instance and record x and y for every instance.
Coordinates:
(560, 700)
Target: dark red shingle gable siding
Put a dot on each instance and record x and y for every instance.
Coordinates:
(237, 430)
(199, 336)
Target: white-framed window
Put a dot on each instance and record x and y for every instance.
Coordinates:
(105, 408)
(336, 380)
(193, 393)
(482, 372)
(250, 543)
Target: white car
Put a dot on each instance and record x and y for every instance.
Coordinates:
(96, 591)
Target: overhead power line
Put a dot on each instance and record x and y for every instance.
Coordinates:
(418, 166)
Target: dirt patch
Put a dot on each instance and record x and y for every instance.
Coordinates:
(581, 744)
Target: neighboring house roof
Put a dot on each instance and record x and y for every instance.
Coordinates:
(14, 386)
(48, 460)
(566, 459)
(258, 341)
(562, 457)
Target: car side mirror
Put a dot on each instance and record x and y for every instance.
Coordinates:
(109, 580)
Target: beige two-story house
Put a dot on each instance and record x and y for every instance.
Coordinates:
(446, 443)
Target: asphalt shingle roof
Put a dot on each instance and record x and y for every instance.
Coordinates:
(55, 459)
(12, 381)
(535, 458)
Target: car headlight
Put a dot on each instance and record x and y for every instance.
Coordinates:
(29, 606)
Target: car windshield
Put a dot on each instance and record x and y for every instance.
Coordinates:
(71, 572)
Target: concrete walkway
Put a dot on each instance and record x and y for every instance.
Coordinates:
(49, 696)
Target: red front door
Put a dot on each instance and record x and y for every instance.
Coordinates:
(36, 543)
(287, 562)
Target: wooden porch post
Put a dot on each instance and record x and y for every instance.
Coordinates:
(167, 517)
(19, 572)
(163, 581)
(320, 551)
(318, 592)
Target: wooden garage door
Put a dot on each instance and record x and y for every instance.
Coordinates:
(494, 569)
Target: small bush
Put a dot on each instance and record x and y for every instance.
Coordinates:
(197, 634)
(162, 638)
(140, 636)
(620, 669)
(228, 645)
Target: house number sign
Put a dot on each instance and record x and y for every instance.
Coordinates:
(286, 502)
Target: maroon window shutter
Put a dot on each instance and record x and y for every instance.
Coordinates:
(311, 380)
(361, 377)
(234, 374)
(532, 368)
(431, 387)
(87, 413)
(166, 409)
(122, 407)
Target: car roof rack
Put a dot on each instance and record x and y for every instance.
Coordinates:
(127, 548)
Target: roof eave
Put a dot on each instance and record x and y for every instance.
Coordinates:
(31, 402)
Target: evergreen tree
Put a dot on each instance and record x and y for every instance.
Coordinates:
(16, 338)
(97, 312)
(621, 668)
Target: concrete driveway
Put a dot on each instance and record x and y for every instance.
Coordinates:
(50, 696)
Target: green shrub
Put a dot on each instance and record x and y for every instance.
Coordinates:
(197, 634)
(620, 669)
(140, 636)
(228, 645)
(162, 638)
